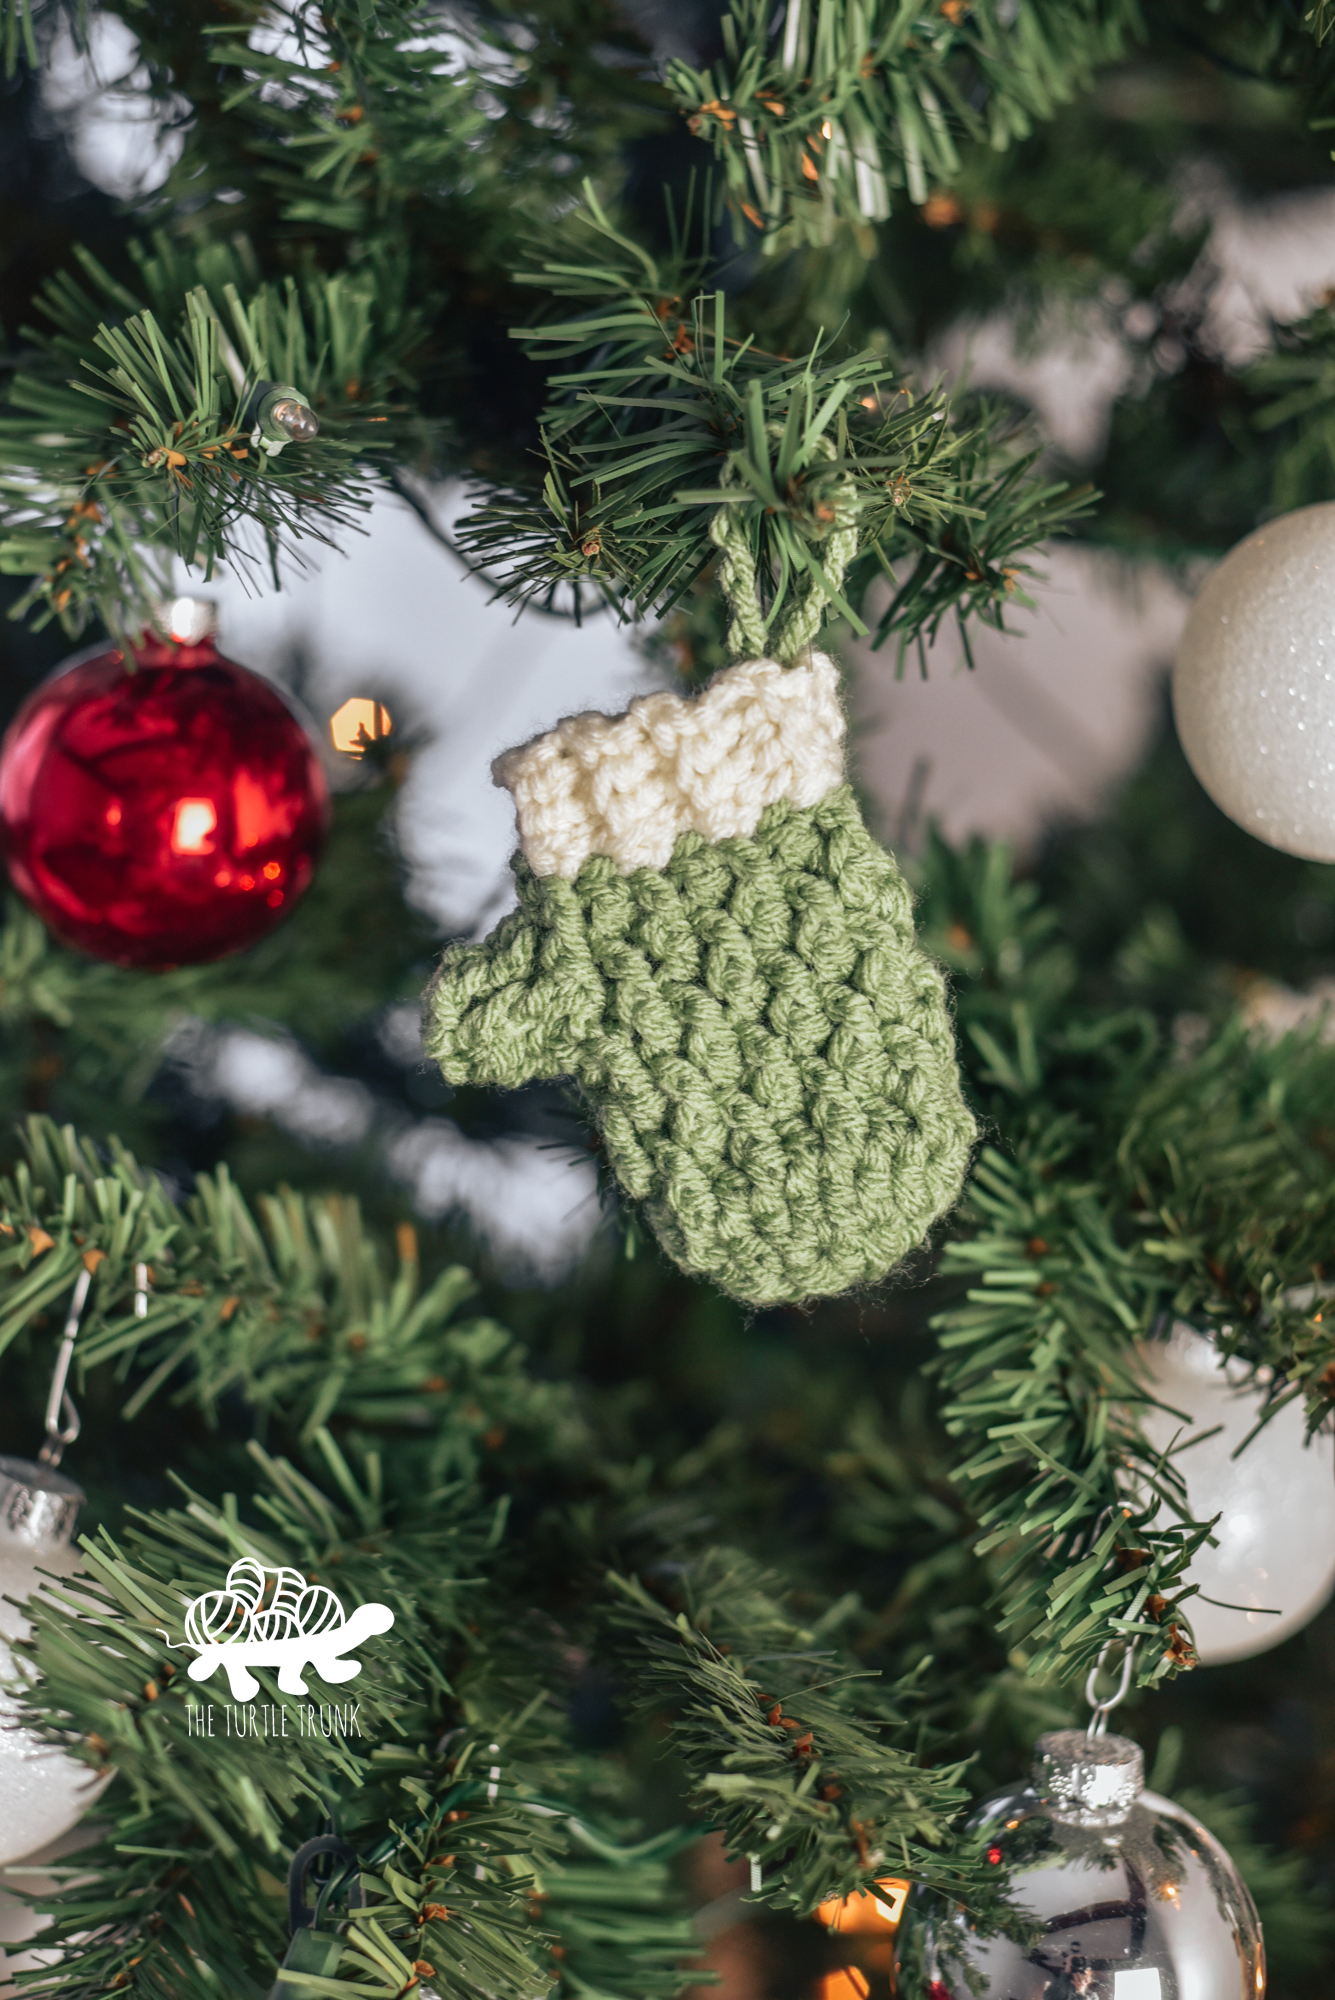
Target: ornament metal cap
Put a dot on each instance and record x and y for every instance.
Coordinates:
(1087, 1780)
(187, 620)
(38, 1505)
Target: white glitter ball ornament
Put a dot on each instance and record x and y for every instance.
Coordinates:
(1254, 684)
(42, 1791)
(1275, 1558)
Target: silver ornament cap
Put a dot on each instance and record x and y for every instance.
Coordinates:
(1086, 1780)
(38, 1505)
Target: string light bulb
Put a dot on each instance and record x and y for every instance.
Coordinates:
(281, 416)
(871, 1918)
(876, 1909)
(358, 722)
(296, 418)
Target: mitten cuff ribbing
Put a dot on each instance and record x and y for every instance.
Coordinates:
(629, 786)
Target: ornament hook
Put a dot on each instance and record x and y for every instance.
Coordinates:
(62, 1418)
(317, 1938)
(338, 1876)
(1098, 1721)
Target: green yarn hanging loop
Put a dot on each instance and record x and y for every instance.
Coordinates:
(749, 635)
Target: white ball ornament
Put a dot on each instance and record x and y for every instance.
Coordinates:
(43, 1792)
(1276, 1537)
(1254, 684)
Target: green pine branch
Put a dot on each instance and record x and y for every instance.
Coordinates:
(792, 1749)
(292, 1304)
(1293, 392)
(1320, 20)
(660, 414)
(971, 561)
(351, 132)
(1125, 1183)
(345, 122)
(136, 440)
(614, 1915)
(445, 1785)
(818, 110)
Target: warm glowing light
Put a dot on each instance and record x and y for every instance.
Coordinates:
(114, 815)
(272, 870)
(194, 826)
(252, 811)
(866, 1910)
(358, 720)
(826, 129)
(846, 1984)
(191, 619)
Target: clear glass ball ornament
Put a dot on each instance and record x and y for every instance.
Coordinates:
(1130, 1897)
(1273, 1564)
(43, 1792)
(1254, 683)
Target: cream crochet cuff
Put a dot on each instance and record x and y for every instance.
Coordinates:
(628, 785)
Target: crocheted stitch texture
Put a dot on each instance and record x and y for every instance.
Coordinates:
(629, 785)
(768, 1054)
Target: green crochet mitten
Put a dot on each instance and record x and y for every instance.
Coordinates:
(711, 942)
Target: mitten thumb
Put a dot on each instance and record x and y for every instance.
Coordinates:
(517, 1006)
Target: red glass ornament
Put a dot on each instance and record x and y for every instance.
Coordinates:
(162, 813)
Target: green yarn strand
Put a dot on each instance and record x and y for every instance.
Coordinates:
(749, 637)
(768, 1054)
(799, 630)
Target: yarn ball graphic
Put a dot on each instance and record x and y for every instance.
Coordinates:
(258, 1605)
(272, 1617)
(216, 1618)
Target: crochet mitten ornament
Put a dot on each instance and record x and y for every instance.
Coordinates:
(711, 942)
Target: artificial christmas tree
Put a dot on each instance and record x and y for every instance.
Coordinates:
(653, 1571)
